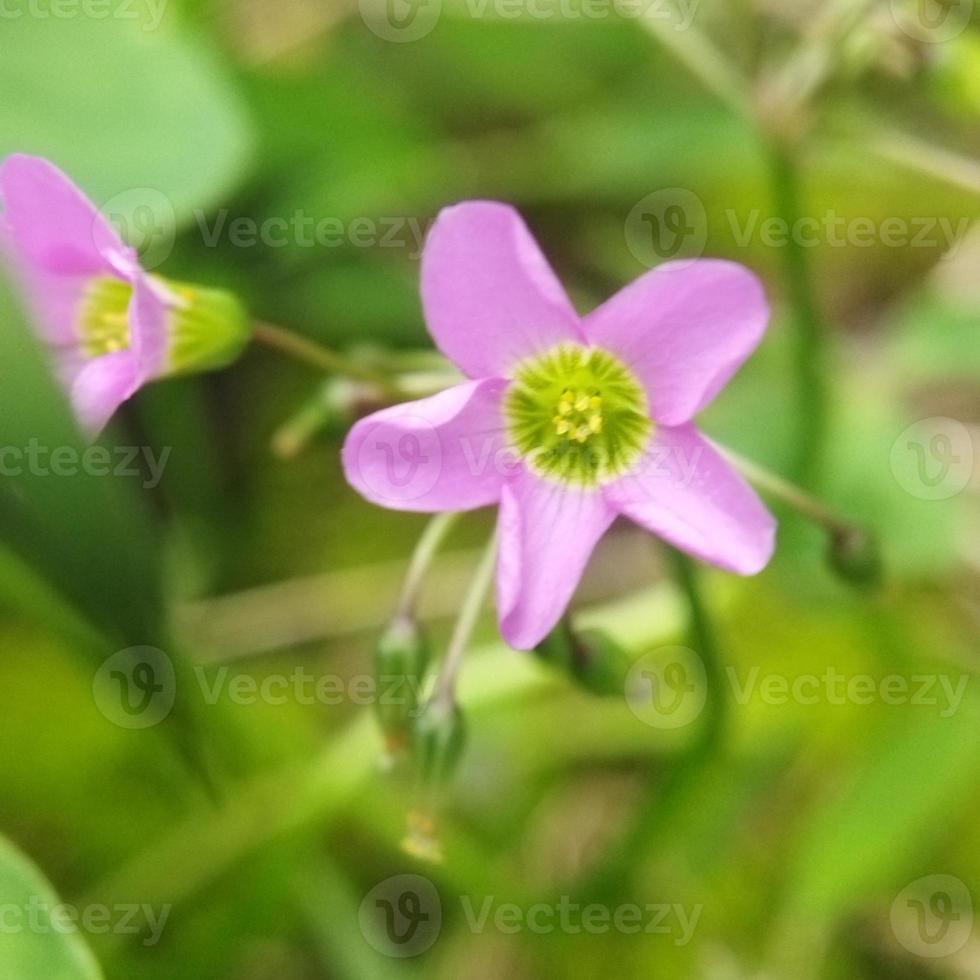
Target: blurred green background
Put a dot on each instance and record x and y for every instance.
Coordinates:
(799, 837)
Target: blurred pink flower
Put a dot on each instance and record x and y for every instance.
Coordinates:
(109, 326)
(567, 421)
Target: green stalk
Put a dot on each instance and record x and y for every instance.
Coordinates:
(810, 353)
(774, 486)
(469, 612)
(665, 798)
(706, 644)
(316, 355)
(425, 551)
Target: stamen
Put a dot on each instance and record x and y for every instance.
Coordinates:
(577, 414)
(103, 323)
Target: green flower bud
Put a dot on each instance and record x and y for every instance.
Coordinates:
(558, 647)
(602, 664)
(400, 661)
(853, 554)
(438, 738)
(209, 328)
(590, 658)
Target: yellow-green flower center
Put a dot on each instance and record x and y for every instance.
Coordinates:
(206, 328)
(104, 319)
(577, 415)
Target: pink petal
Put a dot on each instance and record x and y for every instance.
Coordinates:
(52, 300)
(102, 386)
(148, 326)
(489, 295)
(53, 225)
(685, 328)
(685, 492)
(547, 533)
(442, 453)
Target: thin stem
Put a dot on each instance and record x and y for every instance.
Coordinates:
(702, 58)
(810, 352)
(917, 154)
(706, 643)
(664, 799)
(463, 631)
(425, 551)
(316, 355)
(788, 493)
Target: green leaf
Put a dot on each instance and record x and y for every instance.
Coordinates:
(86, 534)
(33, 946)
(864, 839)
(139, 115)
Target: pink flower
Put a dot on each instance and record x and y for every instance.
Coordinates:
(569, 422)
(109, 326)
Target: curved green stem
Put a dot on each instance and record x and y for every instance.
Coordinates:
(788, 493)
(425, 551)
(463, 631)
(706, 644)
(316, 355)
